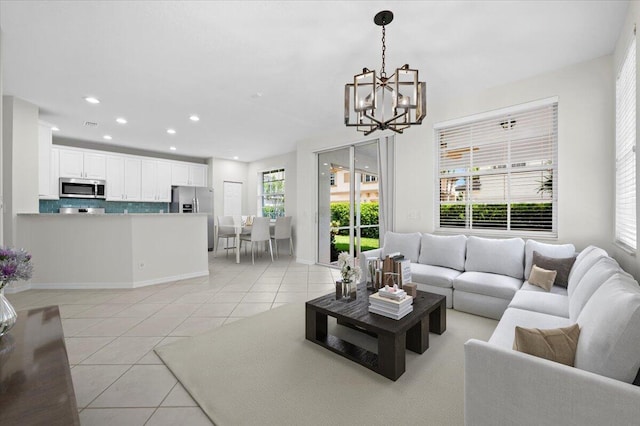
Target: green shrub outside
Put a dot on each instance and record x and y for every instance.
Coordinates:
(524, 216)
(368, 216)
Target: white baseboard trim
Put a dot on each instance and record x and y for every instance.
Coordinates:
(305, 262)
(106, 285)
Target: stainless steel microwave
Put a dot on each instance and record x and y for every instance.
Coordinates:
(82, 188)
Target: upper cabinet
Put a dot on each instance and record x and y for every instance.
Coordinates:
(188, 174)
(123, 178)
(156, 180)
(82, 164)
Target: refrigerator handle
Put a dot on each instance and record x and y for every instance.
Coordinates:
(197, 205)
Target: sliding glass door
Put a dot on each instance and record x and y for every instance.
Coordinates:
(348, 201)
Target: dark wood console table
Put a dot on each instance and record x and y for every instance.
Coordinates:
(35, 379)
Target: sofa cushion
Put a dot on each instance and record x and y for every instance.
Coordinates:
(561, 265)
(505, 331)
(542, 277)
(556, 344)
(497, 256)
(597, 275)
(585, 260)
(406, 243)
(501, 286)
(609, 342)
(543, 302)
(443, 250)
(549, 250)
(433, 275)
(556, 289)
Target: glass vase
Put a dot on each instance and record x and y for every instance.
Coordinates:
(8, 315)
(346, 289)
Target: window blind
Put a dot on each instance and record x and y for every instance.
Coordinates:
(499, 172)
(625, 151)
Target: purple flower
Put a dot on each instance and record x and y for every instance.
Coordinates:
(14, 265)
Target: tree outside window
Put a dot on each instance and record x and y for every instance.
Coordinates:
(273, 193)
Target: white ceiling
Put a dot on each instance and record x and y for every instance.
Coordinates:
(155, 63)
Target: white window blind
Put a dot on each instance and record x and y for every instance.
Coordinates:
(498, 173)
(625, 151)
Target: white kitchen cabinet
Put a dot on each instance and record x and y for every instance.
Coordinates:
(156, 181)
(123, 178)
(188, 174)
(48, 167)
(132, 168)
(80, 164)
(198, 175)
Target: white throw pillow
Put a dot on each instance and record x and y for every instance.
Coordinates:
(548, 250)
(584, 261)
(497, 256)
(408, 244)
(597, 275)
(443, 250)
(609, 342)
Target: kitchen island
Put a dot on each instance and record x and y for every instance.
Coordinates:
(113, 250)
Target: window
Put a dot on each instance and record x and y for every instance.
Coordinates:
(625, 151)
(332, 179)
(497, 171)
(369, 178)
(273, 193)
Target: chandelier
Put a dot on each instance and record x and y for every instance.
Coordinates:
(395, 102)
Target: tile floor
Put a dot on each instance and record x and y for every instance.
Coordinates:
(110, 334)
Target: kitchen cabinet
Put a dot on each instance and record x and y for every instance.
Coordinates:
(48, 165)
(156, 181)
(188, 174)
(123, 178)
(81, 164)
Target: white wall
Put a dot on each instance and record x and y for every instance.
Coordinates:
(19, 161)
(585, 154)
(629, 261)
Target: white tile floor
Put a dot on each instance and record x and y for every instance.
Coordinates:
(110, 334)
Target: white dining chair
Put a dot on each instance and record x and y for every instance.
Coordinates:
(282, 231)
(259, 233)
(226, 229)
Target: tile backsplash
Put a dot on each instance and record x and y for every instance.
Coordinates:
(52, 206)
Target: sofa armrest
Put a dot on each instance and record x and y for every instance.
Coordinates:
(506, 387)
(363, 262)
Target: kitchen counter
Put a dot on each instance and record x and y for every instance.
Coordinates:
(113, 250)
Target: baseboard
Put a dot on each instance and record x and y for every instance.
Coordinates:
(110, 285)
(305, 262)
(17, 289)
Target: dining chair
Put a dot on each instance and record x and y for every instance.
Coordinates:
(259, 233)
(226, 229)
(282, 231)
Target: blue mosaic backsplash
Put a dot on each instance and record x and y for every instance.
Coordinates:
(52, 206)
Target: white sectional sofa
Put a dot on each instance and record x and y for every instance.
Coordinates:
(477, 275)
(506, 387)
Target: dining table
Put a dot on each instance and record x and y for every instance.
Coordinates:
(241, 229)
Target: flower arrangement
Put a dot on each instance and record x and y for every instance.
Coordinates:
(348, 269)
(14, 265)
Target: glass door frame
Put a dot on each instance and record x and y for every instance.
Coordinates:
(355, 221)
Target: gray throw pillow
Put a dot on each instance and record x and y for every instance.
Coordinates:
(561, 265)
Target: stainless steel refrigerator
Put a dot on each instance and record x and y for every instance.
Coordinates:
(194, 199)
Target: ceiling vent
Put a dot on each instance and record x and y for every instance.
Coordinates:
(90, 124)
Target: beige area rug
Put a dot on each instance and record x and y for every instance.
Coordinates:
(262, 371)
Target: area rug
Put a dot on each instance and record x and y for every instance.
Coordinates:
(262, 371)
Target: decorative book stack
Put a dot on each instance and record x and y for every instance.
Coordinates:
(393, 305)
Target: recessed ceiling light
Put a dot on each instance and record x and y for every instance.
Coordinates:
(235, 157)
(92, 100)
(55, 129)
(107, 137)
(121, 120)
(366, 167)
(325, 164)
(172, 148)
(171, 131)
(194, 118)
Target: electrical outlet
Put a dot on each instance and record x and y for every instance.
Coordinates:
(141, 265)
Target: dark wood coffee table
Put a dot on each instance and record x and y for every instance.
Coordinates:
(412, 331)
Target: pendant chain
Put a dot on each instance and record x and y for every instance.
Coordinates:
(383, 73)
